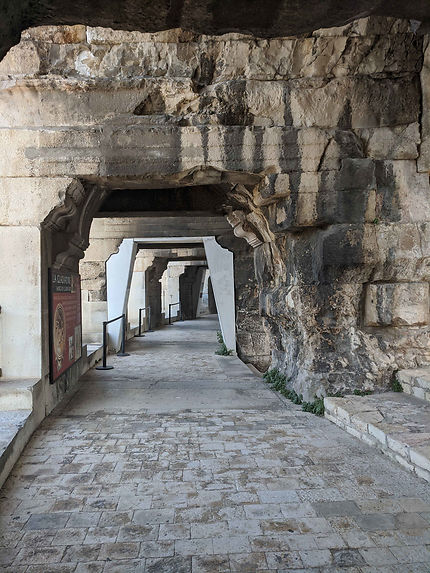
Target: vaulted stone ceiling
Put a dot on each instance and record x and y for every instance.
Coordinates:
(268, 19)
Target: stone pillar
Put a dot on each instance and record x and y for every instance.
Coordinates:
(202, 305)
(92, 269)
(119, 269)
(190, 285)
(170, 288)
(21, 302)
(153, 290)
(253, 337)
(137, 291)
(220, 262)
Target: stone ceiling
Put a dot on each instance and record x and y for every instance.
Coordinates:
(268, 19)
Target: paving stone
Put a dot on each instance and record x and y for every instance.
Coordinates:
(248, 562)
(69, 536)
(410, 521)
(283, 560)
(316, 558)
(138, 532)
(201, 530)
(101, 535)
(91, 567)
(194, 546)
(149, 516)
(83, 519)
(7, 555)
(413, 554)
(42, 555)
(231, 544)
(131, 566)
(52, 568)
(336, 508)
(47, 521)
(273, 496)
(120, 550)
(79, 553)
(169, 531)
(211, 564)
(177, 564)
(375, 521)
(378, 556)
(157, 549)
(346, 557)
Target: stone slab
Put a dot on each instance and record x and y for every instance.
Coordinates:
(396, 423)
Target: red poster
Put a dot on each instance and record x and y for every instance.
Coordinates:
(65, 321)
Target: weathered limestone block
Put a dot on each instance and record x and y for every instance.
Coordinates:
(369, 26)
(391, 143)
(364, 102)
(397, 304)
(110, 53)
(29, 200)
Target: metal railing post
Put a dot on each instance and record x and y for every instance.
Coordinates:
(104, 365)
(149, 319)
(170, 311)
(105, 342)
(140, 322)
(122, 351)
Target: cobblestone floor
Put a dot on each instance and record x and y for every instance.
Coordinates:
(179, 461)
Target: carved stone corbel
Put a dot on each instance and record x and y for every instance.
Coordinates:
(237, 220)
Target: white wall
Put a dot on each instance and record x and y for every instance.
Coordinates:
(20, 299)
(220, 263)
(119, 269)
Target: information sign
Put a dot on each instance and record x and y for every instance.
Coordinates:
(65, 321)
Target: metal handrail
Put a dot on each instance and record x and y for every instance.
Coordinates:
(105, 345)
(170, 311)
(147, 310)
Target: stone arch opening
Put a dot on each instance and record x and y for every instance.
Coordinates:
(202, 202)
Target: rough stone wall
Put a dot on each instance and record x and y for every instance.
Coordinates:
(253, 339)
(319, 136)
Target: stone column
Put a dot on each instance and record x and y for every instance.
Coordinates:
(92, 269)
(190, 285)
(171, 288)
(153, 290)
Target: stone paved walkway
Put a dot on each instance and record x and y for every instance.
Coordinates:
(180, 461)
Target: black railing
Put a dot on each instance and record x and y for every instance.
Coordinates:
(122, 351)
(147, 310)
(170, 311)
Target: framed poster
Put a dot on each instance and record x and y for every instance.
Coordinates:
(65, 321)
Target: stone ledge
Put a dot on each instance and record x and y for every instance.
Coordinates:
(16, 426)
(18, 394)
(396, 423)
(415, 382)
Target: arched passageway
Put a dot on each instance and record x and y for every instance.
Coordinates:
(306, 158)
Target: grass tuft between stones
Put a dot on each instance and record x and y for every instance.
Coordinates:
(222, 350)
(279, 381)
